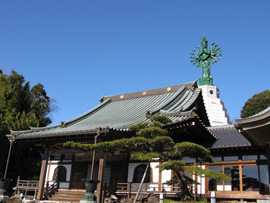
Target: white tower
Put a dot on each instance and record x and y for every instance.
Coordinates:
(215, 109)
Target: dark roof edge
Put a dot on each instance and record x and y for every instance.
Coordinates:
(231, 147)
(206, 128)
(32, 129)
(191, 116)
(69, 133)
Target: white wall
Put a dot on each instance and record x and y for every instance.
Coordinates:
(201, 187)
(216, 111)
(50, 170)
(165, 176)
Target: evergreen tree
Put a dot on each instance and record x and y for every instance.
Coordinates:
(152, 141)
(20, 108)
(256, 104)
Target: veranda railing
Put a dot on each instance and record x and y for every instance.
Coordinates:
(147, 188)
(51, 189)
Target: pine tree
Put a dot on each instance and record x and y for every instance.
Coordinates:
(152, 141)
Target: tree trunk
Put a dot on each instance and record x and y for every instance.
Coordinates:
(184, 187)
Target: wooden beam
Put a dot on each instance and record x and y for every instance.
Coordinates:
(102, 164)
(43, 170)
(72, 171)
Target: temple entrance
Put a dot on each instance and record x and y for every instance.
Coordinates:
(79, 172)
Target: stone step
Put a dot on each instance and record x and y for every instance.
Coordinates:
(68, 195)
(67, 199)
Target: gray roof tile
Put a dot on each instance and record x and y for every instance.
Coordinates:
(121, 111)
(227, 136)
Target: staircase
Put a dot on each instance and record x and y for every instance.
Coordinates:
(66, 195)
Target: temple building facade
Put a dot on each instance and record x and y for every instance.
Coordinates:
(198, 115)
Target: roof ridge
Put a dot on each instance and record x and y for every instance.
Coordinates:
(155, 91)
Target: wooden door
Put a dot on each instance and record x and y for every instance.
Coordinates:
(79, 172)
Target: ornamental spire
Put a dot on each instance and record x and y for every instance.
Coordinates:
(203, 58)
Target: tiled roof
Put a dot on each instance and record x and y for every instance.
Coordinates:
(256, 128)
(227, 136)
(120, 111)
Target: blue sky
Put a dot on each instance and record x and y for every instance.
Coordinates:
(81, 50)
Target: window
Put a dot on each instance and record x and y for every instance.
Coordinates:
(262, 157)
(249, 157)
(264, 179)
(250, 178)
(217, 158)
(215, 185)
(138, 174)
(60, 173)
(230, 158)
(234, 184)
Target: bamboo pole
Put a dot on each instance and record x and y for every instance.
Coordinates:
(9, 152)
(140, 187)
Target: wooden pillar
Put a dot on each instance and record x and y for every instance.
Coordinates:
(43, 171)
(71, 172)
(160, 180)
(241, 178)
(102, 164)
(268, 163)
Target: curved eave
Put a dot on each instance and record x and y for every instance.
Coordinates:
(256, 128)
(56, 134)
(43, 129)
(258, 118)
(33, 129)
